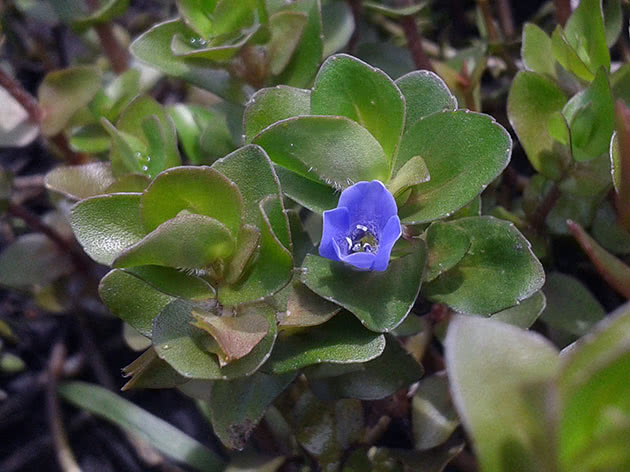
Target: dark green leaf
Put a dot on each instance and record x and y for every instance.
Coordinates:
(425, 93)
(332, 149)
(570, 305)
(269, 105)
(106, 225)
(392, 371)
(185, 347)
(157, 432)
(381, 300)
(238, 405)
(532, 101)
(342, 340)
(447, 141)
(447, 244)
(346, 86)
(498, 271)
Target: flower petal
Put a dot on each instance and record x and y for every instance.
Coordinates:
(336, 226)
(390, 234)
(368, 202)
(360, 260)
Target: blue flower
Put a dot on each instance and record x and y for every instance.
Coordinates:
(363, 228)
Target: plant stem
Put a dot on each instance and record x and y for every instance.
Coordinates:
(117, 55)
(540, 215)
(414, 41)
(22, 96)
(36, 224)
(491, 29)
(65, 456)
(36, 114)
(562, 11)
(505, 18)
(357, 8)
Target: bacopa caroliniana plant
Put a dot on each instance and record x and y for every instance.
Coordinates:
(211, 266)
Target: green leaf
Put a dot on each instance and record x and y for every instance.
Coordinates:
(272, 268)
(338, 22)
(79, 182)
(608, 232)
(447, 244)
(198, 190)
(106, 12)
(32, 260)
(334, 149)
(381, 300)
(147, 121)
(132, 300)
(425, 93)
(525, 313)
(346, 86)
(149, 371)
(186, 348)
(570, 305)
(490, 367)
(568, 57)
(342, 340)
(395, 12)
(189, 46)
(585, 33)
(154, 48)
(188, 241)
(414, 172)
(613, 21)
(313, 195)
(537, 51)
(174, 282)
(269, 105)
(498, 271)
(433, 415)
(198, 15)
(133, 419)
(287, 28)
(447, 142)
(302, 307)
(246, 246)
(203, 132)
(390, 372)
(308, 55)
(532, 101)
(237, 406)
(91, 139)
(595, 391)
(251, 170)
(106, 225)
(63, 93)
(590, 114)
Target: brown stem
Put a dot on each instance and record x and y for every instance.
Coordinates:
(73, 158)
(505, 18)
(539, 216)
(117, 55)
(64, 454)
(493, 33)
(356, 6)
(562, 11)
(36, 224)
(414, 43)
(22, 96)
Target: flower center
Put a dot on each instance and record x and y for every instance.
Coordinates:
(361, 239)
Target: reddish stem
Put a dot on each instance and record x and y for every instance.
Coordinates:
(22, 96)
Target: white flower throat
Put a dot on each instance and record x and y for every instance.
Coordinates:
(361, 239)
